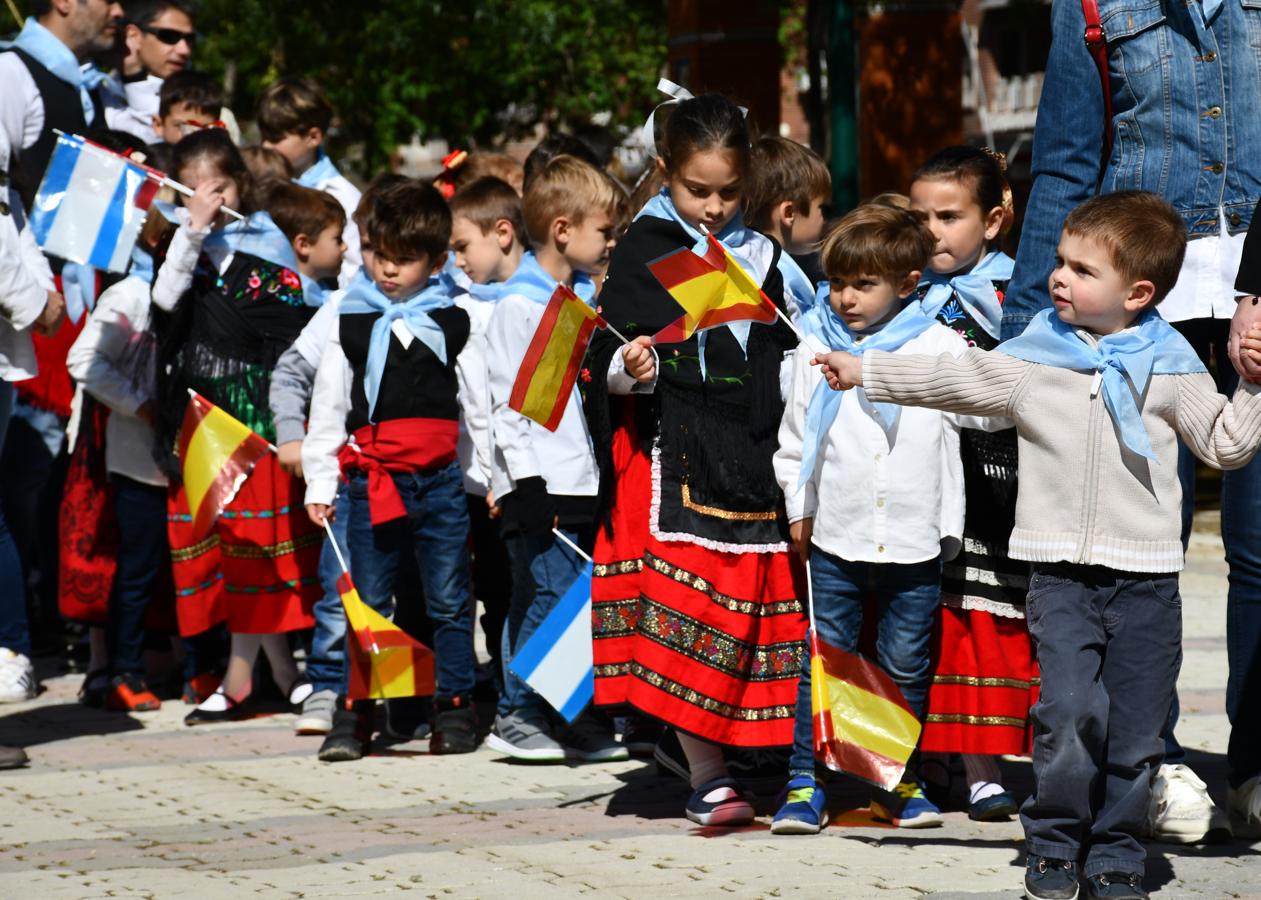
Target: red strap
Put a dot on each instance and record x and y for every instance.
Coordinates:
(1097, 45)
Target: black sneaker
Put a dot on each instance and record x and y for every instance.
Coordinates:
(1115, 884)
(351, 735)
(454, 725)
(407, 718)
(1050, 879)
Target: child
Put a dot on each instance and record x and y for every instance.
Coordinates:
(874, 492)
(187, 101)
(1100, 388)
(266, 164)
(313, 221)
(388, 380)
(543, 479)
(237, 306)
(294, 118)
(984, 675)
(789, 188)
(487, 244)
(694, 545)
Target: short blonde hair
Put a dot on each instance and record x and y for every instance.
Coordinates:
(570, 188)
(877, 239)
(1143, 234)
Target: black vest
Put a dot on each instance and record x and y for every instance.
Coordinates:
(415, 383)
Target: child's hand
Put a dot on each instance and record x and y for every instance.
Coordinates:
(320, 512)
(204, 204)
(289, 455)
(842, 370)
(801, 531)
(1251, 344)
(50, 319)
(640, 362)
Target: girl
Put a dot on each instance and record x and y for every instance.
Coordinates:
(239, 304)
(985, 678)
(694, 601)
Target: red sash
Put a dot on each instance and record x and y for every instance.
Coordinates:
(397, 445)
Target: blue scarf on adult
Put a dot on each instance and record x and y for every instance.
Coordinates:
(321, 172)
(1125, 362)
(363, 296)
(531, 281)
(44, 47)
(975, 291)
(825, 325)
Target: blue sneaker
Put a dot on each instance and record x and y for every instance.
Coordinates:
(805, 809)
(906, 807)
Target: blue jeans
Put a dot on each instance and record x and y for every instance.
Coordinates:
(328, 642)
(142, 551)
(543, 569)
(435, 532)
(15, 632)
(907, 596)
(1109, 647)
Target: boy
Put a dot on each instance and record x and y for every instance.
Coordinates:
(187, 101)
(387, 379)
(785, 196)
(543, 479)
(314, 222)
(293, 119)
(1100, 388)
(487, 230)
(874, 493)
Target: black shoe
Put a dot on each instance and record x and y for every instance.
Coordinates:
(1050, 879)
(640, 735)
(95, 687)
(1115, 884)
(669, 756)
(236, 709)
(351, 734)
(407, 718)
(454, 725)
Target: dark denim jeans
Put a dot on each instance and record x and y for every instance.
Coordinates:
(1109, 647)
(543, 569)
(15, 632)
(492, 577)
(907, 596)
(328, 641)
(435, 532)
(142, 551)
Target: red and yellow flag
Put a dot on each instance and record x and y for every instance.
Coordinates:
(712, 289)
(217, 453)
(385, 661)
(862, 724)
(551, 364)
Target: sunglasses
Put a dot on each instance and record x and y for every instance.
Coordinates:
(171, 36)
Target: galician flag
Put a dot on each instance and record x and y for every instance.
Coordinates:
(91, 204)
(550, 368)
(862, 724)
(217, 453)
(385, 661)
(712, 288)
(557, 661)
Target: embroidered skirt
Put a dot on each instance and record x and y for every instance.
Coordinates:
(708, 641)
(257, 570)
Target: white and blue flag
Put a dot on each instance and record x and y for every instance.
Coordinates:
(557, 661)
(91, 205)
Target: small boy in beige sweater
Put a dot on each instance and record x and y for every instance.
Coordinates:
(1100, 389)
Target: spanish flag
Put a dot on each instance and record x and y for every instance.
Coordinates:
(713, 290)
(862, 724)
(217, 453)
(550, 368)
(384, 660)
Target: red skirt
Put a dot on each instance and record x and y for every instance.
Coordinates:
(89, 531)
(258, 569)
(709, 642)
(985, 680)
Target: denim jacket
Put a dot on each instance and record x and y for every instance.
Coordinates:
(1186, 123)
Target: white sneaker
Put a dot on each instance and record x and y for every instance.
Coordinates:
(317, 713)
(1181, 811)
(17, 677)
(1245, 807)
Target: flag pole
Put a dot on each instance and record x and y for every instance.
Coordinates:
(341, 561)
(810, 595)
(617, 334)
(572, 546)
(779, 312)
(270, 446)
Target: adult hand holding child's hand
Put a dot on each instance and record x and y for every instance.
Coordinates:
(842, 370)
(640, 362)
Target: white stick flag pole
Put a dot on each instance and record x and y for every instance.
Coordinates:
(779, 312)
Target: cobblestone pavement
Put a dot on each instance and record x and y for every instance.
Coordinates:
(118, 806)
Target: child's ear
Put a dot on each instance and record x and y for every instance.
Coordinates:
(505, 235)
(910, 283)
(560, 231)
(993, 222)
(439, 263)
(786, 213)
(1141, 295)
(302, 245)
(314, 137)
(661, 168)
(157, 124)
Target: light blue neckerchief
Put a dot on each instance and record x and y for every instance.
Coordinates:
(975, 290)
(1125, 361)
(141, 265)
(532, 282)
(258, 236)
(78, 287)
(825, 403)
(44, 47)
(321, 172)
(797, 284)
(363, 296)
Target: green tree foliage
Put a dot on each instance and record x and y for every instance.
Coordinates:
(472, 71)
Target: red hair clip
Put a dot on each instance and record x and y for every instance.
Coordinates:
(451, 163)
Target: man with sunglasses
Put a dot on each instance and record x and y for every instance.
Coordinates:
(158, 41)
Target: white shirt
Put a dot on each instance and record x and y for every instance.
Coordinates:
(872, 502)
(105, 360)
(1206, 282)
(564, 458)
(136, 117)
(475, 446)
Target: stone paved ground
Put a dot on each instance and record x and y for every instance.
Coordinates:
(114, 806)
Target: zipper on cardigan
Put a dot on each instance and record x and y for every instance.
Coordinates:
(1088, 483)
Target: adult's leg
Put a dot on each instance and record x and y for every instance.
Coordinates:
(15, 633)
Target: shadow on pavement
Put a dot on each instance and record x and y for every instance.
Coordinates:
(46, 724)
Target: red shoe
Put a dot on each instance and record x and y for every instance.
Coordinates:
(129, 693)
(199, 687)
